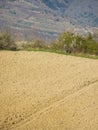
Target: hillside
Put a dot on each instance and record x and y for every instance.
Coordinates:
(47, 18)
(46, 91)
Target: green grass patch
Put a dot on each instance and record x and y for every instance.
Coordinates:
(62, 53)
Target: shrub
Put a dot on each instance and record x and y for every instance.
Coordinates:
(37, 44)
(72, 43)
(6, 42)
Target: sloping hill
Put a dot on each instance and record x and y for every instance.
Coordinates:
(47, 18)
(84, 12)
(41, 90)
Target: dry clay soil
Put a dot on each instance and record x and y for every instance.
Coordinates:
(46, 91)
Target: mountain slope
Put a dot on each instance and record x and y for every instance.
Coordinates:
(47, 18)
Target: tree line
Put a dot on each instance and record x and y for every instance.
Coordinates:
(67, 42)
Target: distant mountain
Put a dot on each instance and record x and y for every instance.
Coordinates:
(47, 18)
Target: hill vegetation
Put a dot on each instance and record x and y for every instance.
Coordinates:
(72, 43)
(6, 42)
(67, 42)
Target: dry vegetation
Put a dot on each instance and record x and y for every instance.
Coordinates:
(67, 42)
(44, 91)
(6, 42)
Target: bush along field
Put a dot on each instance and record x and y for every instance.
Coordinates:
(67, 42)
(6, 42)
(71, 43)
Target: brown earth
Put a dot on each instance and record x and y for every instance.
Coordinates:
(46, 91)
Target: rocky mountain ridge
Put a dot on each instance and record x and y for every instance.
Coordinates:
(47, 18)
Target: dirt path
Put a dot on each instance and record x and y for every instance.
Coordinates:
(29, 121)
(66, 115)
(36, 84)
